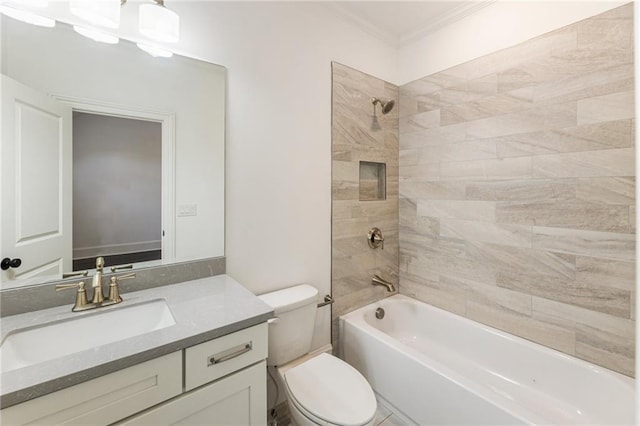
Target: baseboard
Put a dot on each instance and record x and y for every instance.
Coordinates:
(111, 249)
(118, 259)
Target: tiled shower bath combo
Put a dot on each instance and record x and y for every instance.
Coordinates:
(517, 190)
(516, 209)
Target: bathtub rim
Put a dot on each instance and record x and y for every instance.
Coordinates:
(357, 319)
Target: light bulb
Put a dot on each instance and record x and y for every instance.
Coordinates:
(26, 16)
(104, 13)
(159, 23)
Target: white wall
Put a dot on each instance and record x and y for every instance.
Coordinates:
(499, 25)
(278, 217)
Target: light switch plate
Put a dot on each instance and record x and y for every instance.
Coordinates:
(187, 210)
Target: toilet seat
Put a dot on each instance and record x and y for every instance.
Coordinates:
(328, 390)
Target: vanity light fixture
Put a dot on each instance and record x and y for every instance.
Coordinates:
(155, 22)
(17, 11)
(96, 35)
(158, 23)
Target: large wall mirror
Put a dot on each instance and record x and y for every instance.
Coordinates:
(105, 151)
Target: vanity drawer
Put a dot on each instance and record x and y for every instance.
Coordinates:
(214, 359)
(105, 399)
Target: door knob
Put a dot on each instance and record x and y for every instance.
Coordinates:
(7, 263)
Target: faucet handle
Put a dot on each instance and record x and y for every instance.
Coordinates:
(80, 286)
(124, 276)
(81, 295)
(114, 291)
(117, 268)
(75, 274)
(375, 238)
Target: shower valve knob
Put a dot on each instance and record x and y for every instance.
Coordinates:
(375, 238)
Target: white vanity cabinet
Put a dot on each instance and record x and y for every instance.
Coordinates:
(238, 397)
(222, 381)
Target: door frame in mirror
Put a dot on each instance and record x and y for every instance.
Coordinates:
(167, 121)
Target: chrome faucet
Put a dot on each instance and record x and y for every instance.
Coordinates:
(98, 299)
(377, 280)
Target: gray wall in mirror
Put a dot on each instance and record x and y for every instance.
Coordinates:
(64, 64)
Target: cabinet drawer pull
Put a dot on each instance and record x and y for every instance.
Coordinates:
(229, 354)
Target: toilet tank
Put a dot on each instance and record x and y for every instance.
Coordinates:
(291, 333)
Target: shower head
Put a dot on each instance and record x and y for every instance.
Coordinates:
(386, 106)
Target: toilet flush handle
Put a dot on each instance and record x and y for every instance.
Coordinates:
(273, 320)
(328, 300)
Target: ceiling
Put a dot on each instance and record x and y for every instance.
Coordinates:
(401, 22)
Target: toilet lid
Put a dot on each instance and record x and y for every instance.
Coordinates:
(332, 390)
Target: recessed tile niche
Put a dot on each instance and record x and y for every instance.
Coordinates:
(372, 183)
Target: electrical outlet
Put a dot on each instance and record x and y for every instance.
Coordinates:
(187, 210)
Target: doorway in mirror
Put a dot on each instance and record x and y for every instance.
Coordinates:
(117, 192)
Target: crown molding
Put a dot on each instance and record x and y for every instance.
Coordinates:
(465, 9)
(363, 24)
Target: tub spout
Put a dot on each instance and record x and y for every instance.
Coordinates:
(377, 280)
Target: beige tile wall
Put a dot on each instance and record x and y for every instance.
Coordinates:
(517, 190)
(359, 135)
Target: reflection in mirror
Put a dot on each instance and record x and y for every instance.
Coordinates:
(117, 174)
(112, 153)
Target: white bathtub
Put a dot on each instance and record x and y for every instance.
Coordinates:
(438, 368)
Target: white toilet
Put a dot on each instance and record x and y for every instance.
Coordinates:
(320, 390)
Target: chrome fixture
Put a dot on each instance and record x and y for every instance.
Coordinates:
(328, 300)
(377, 280)
(98, 299)
(375, 238)
(386, 106)
(379, 313)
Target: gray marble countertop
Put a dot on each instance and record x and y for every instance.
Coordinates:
(203, 309)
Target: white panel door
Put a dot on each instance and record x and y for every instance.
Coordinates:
(35, 177)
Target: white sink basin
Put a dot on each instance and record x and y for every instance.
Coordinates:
(33, 345)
